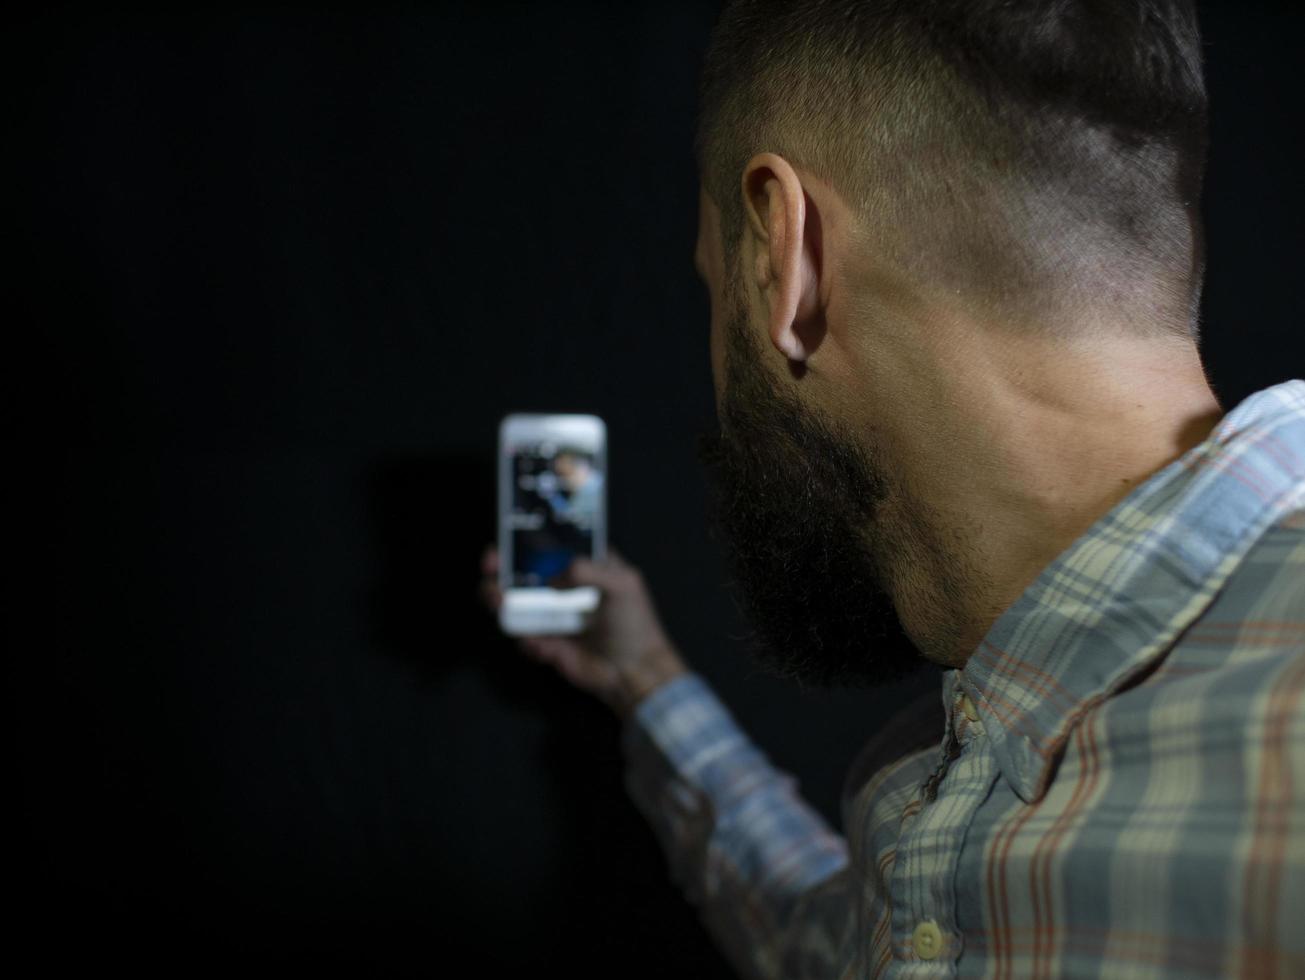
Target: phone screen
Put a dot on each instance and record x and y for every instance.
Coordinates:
(557, 496)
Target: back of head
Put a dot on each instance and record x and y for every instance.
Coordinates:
(1041, 159)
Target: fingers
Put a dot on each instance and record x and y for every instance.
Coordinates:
(564, 656)
(545, 649)
(612, 575)
(548, 649)
(490, 593)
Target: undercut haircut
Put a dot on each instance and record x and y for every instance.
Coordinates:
(1040, 158)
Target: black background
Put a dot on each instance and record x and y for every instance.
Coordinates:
(281, 273)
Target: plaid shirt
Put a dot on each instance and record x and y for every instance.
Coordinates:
(1118, 789)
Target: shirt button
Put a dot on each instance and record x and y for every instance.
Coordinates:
(927, 940)
(968, 707)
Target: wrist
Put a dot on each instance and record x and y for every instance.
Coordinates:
(653, 672)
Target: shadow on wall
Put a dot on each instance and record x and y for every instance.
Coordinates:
(536, 838)
(432, 516)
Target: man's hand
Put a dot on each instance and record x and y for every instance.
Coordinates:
(623, 655)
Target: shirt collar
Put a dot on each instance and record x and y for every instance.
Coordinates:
(1111, 604)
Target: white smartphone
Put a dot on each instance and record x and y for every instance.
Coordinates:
(552, 508)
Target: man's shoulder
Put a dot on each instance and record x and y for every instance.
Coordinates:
(1266, 592)
(1245, 653)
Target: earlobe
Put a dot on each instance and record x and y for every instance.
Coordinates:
(789, 345)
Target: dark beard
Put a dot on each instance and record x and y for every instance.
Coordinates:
(794, 503)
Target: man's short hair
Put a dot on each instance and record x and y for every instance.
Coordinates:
(1040, 157)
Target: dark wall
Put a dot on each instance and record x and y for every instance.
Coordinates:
(284, 272)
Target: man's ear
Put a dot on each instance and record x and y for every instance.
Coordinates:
(785, 255)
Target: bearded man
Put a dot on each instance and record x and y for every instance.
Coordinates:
(955, 259)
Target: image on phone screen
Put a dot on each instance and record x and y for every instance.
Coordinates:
(557, 491)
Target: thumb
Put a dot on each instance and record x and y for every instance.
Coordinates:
(584, 571)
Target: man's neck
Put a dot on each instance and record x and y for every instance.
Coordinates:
(1039, 444)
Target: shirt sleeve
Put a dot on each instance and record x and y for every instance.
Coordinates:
(769, 878)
